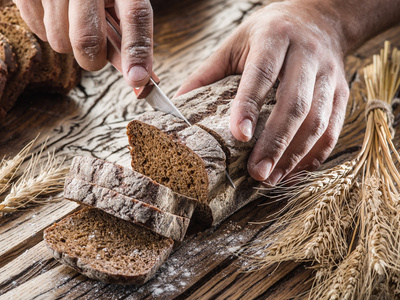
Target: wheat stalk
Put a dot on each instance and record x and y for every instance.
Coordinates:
(9, 167)
(32, 187)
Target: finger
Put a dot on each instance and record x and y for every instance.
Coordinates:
(259, 75)
(56, 22)
(32, 13)
(323, 148)
(294, 97)
(136, 20)
(87, 33)
(310, 131)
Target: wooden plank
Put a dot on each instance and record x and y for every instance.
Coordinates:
(29, 264)
(92, 120)
(16, 234)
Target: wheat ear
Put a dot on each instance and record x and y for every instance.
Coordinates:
(32, 187)
(9, 167)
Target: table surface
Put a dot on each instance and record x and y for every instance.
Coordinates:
(91, 120)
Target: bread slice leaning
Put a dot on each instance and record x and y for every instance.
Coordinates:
(106, 248)
(126, 208)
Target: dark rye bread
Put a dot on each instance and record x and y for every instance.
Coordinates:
(108, 249)
(132, 184)
(28, 54)
(207, 108)
(49, 70)
(126, 208)
(186, 159)
(7, 54)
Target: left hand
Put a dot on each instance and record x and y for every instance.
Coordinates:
(298, 45)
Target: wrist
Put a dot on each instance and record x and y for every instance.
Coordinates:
(353, 21)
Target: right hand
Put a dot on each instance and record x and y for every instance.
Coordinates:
(80, 26)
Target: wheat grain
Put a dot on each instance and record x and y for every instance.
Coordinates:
(9, 168)
(32, 188)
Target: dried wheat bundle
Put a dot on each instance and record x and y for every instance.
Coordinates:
(33, 185)
(349, 230)
(9, 167)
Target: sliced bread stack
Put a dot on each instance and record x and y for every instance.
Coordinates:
(171, 160)
(134, 218)
(30, 63)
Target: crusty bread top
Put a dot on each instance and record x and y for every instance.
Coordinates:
(132, 184)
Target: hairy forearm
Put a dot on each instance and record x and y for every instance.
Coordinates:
(356, 20)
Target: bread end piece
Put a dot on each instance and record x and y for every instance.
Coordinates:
(108, 249)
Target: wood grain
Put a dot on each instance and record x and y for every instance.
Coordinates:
(91, 121)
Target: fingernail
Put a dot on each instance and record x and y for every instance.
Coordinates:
(246, 127)
(275, 177)
(263, 168)
(137, 73)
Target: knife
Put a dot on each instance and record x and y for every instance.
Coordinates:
(151, 91)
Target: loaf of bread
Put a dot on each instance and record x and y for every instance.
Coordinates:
(191, 160)
(106, 248)
(28, 55)
(42, 71)
(126, 208)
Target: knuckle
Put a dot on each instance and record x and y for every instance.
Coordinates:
(320, 124)
(299, 108)
(313, 48)
(329, 141)
(279, 144)
(267, 72)
(292, 161)
(330, 68)
(139, 12)
(140, 48)
(315, 163)
(343, 93)
(88, 45)
(249, 105)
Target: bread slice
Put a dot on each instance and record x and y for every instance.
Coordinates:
(160, 150)
(28, 54)
(7, 54)
(106, 248)
(126, 208)
(132, 184)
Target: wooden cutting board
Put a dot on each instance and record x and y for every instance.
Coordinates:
(92, 121)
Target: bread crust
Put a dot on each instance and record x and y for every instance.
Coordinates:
(126, 208)
(132, 184)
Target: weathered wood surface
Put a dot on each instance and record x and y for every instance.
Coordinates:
(92, 121)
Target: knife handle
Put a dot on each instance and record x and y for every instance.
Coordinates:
(114, 55)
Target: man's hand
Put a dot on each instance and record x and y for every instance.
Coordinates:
(80, 26)
(299, 46)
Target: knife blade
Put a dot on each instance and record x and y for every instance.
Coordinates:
(151, 92)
